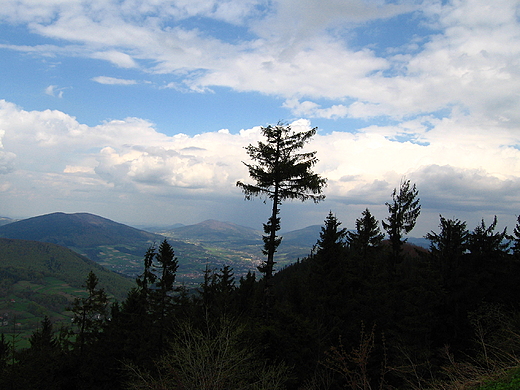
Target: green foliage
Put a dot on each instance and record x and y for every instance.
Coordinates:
(41, 279)
(216, 292)
(90, 313)
(35, 261)
(282, 173)
(43, 339)
(166, 268)
(452, 241)
(5, 352)
(511, 382)
(80, 230)
(331, 237)
(515, 238)
(449, 245)
(354, 367)
(163, 335)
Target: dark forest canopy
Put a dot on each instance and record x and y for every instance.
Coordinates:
(359, 312)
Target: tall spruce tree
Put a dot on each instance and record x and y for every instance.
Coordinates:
(90, 312)
(5, 351)
(328, 262)
(448, 246)
(404, 211)
(166, 268)
(515, 238)
(281, 173)
(146, 280)
(367, 234)
(485, 242)
(332, 238)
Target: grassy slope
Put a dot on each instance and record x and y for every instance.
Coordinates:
(509, 381)
(38, 279)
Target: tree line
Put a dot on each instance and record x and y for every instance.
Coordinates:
(360, 312)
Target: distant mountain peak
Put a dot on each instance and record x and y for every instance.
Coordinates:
(212, 229)
(74, 230)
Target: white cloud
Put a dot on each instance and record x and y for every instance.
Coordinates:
(121, 60)
(6, 162)
(6, 158)
(48, 155)
(113, 81)
(312, 110)
(300, 50)
(453, 95)
(293, 21)
(53, 90)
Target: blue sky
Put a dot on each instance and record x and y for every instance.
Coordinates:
(139, 110)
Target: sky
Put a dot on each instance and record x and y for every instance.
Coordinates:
(139, 110)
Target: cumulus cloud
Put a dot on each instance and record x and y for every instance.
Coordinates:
(129, 159)
(6, 162)
(313, 110)
(6, 158)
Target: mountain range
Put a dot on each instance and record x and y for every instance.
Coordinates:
(121, 248)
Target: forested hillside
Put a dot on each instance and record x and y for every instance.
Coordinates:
(40, 279)
(359, 312)
(115, 246)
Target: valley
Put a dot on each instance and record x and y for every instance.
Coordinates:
(121, 248)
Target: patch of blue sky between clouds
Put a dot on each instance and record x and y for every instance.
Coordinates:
(19, 35)
(401, 34)
(25, 79)
(411, 138)
(174, 112)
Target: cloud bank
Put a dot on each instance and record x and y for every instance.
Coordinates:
(47, 157)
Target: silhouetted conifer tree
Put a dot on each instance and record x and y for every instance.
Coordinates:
(449, 245)
(367, 234)
(281, 173)
(166, 270)
(484, 242)
(89, 313)
(515, 238)
(5, 351)
(404, 211)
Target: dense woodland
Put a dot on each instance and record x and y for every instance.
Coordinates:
(359, 312)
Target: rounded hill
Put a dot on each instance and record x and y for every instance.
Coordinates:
(74, 230)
